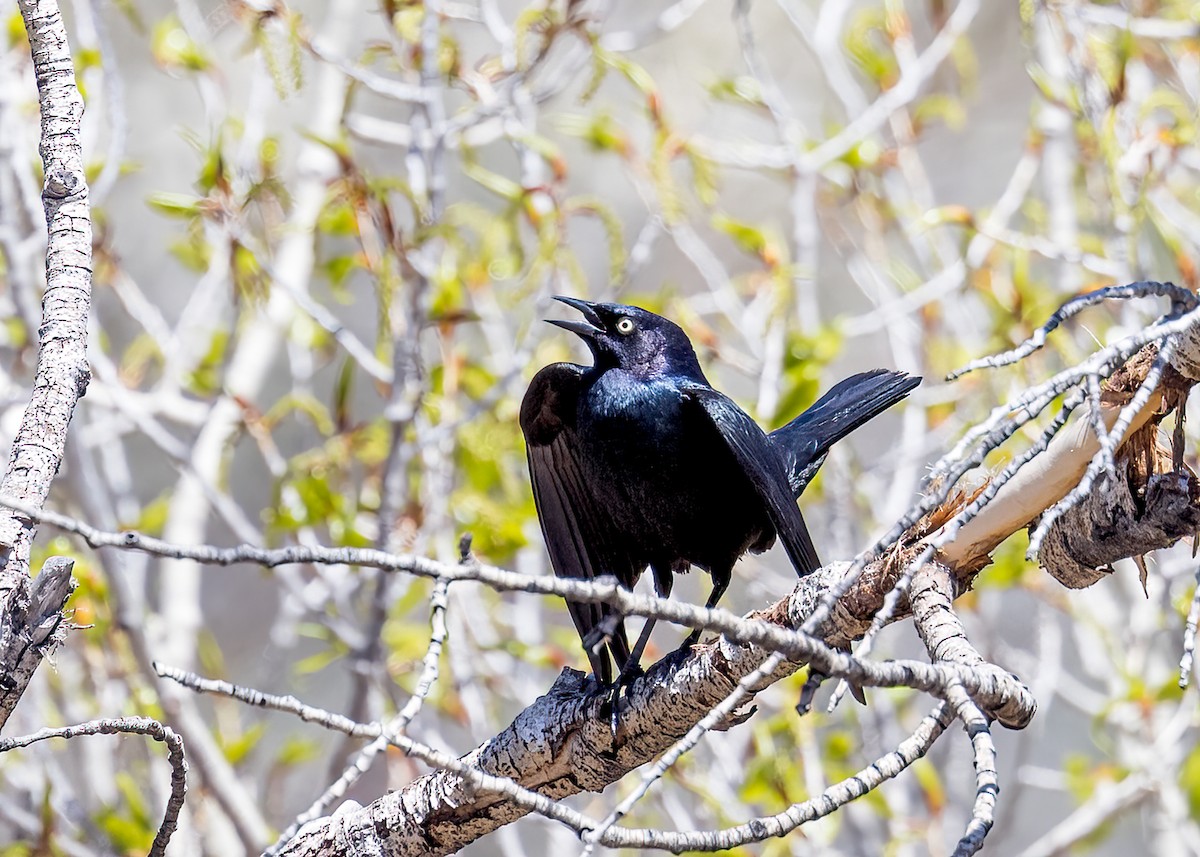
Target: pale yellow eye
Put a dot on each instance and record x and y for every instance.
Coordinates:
(625, 326)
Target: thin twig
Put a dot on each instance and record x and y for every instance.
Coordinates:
(1146, 288)
(505, 786)
(1189, 635)
(396, 726)
(796, 645)
(136, 726)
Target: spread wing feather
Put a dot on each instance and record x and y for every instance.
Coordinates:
(763, 464)
(579, 534)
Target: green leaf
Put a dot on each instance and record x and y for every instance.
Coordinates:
(1189, 779)
(317, 661)
(601, 131)
(298, 751)
(758, 242)
(943, 107)
(495, 182)
(613, 228)
(634, 73)
(176, 204)
(747, 237)
(868, 46)
(206, 379)
(342, 391)
(704, 176)
(239, 748)
(743, 89)
(300, 403)
(338, 268)
(129, 826)
(15, 29)
(249, 277)
(804, 361)
(153, 516)
(172, 47)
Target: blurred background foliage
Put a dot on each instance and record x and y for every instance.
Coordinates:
(325, 235)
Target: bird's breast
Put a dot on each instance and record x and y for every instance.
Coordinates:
(631, 416)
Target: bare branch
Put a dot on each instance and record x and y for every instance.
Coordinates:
(986, 783)
(33, 626)
(136, 726)
(394, 728)
(1183, 298)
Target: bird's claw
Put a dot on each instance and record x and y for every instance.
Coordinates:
(614, 712)
(609, 708)
(685, 649)
(612, 704)
(602, 633)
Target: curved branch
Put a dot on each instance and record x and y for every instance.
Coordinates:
(137, 726)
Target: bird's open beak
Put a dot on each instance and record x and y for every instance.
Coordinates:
(589, 329)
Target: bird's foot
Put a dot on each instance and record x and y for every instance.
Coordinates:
(601, 633)
(612, 705)
(684, 651)
(813, 684)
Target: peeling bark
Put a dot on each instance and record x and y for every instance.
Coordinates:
(1111, 525)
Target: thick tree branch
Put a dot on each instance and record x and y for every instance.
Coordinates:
(62, 368)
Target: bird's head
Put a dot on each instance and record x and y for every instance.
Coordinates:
(634, 339)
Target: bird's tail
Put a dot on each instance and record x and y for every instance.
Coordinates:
(806, 440)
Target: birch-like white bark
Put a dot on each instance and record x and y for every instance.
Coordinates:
(62, 369)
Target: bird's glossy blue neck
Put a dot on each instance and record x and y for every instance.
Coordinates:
(661, 369)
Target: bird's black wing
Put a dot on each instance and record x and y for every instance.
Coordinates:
(580, 536)
(763, 464)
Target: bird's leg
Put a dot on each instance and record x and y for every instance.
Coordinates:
(632, 668)
(630, 671)
(720, 584)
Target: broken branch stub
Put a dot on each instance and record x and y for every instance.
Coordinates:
(1111, 524)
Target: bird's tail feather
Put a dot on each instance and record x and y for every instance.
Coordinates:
(806, 440)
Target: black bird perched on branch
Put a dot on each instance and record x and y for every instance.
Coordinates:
(637, 461)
